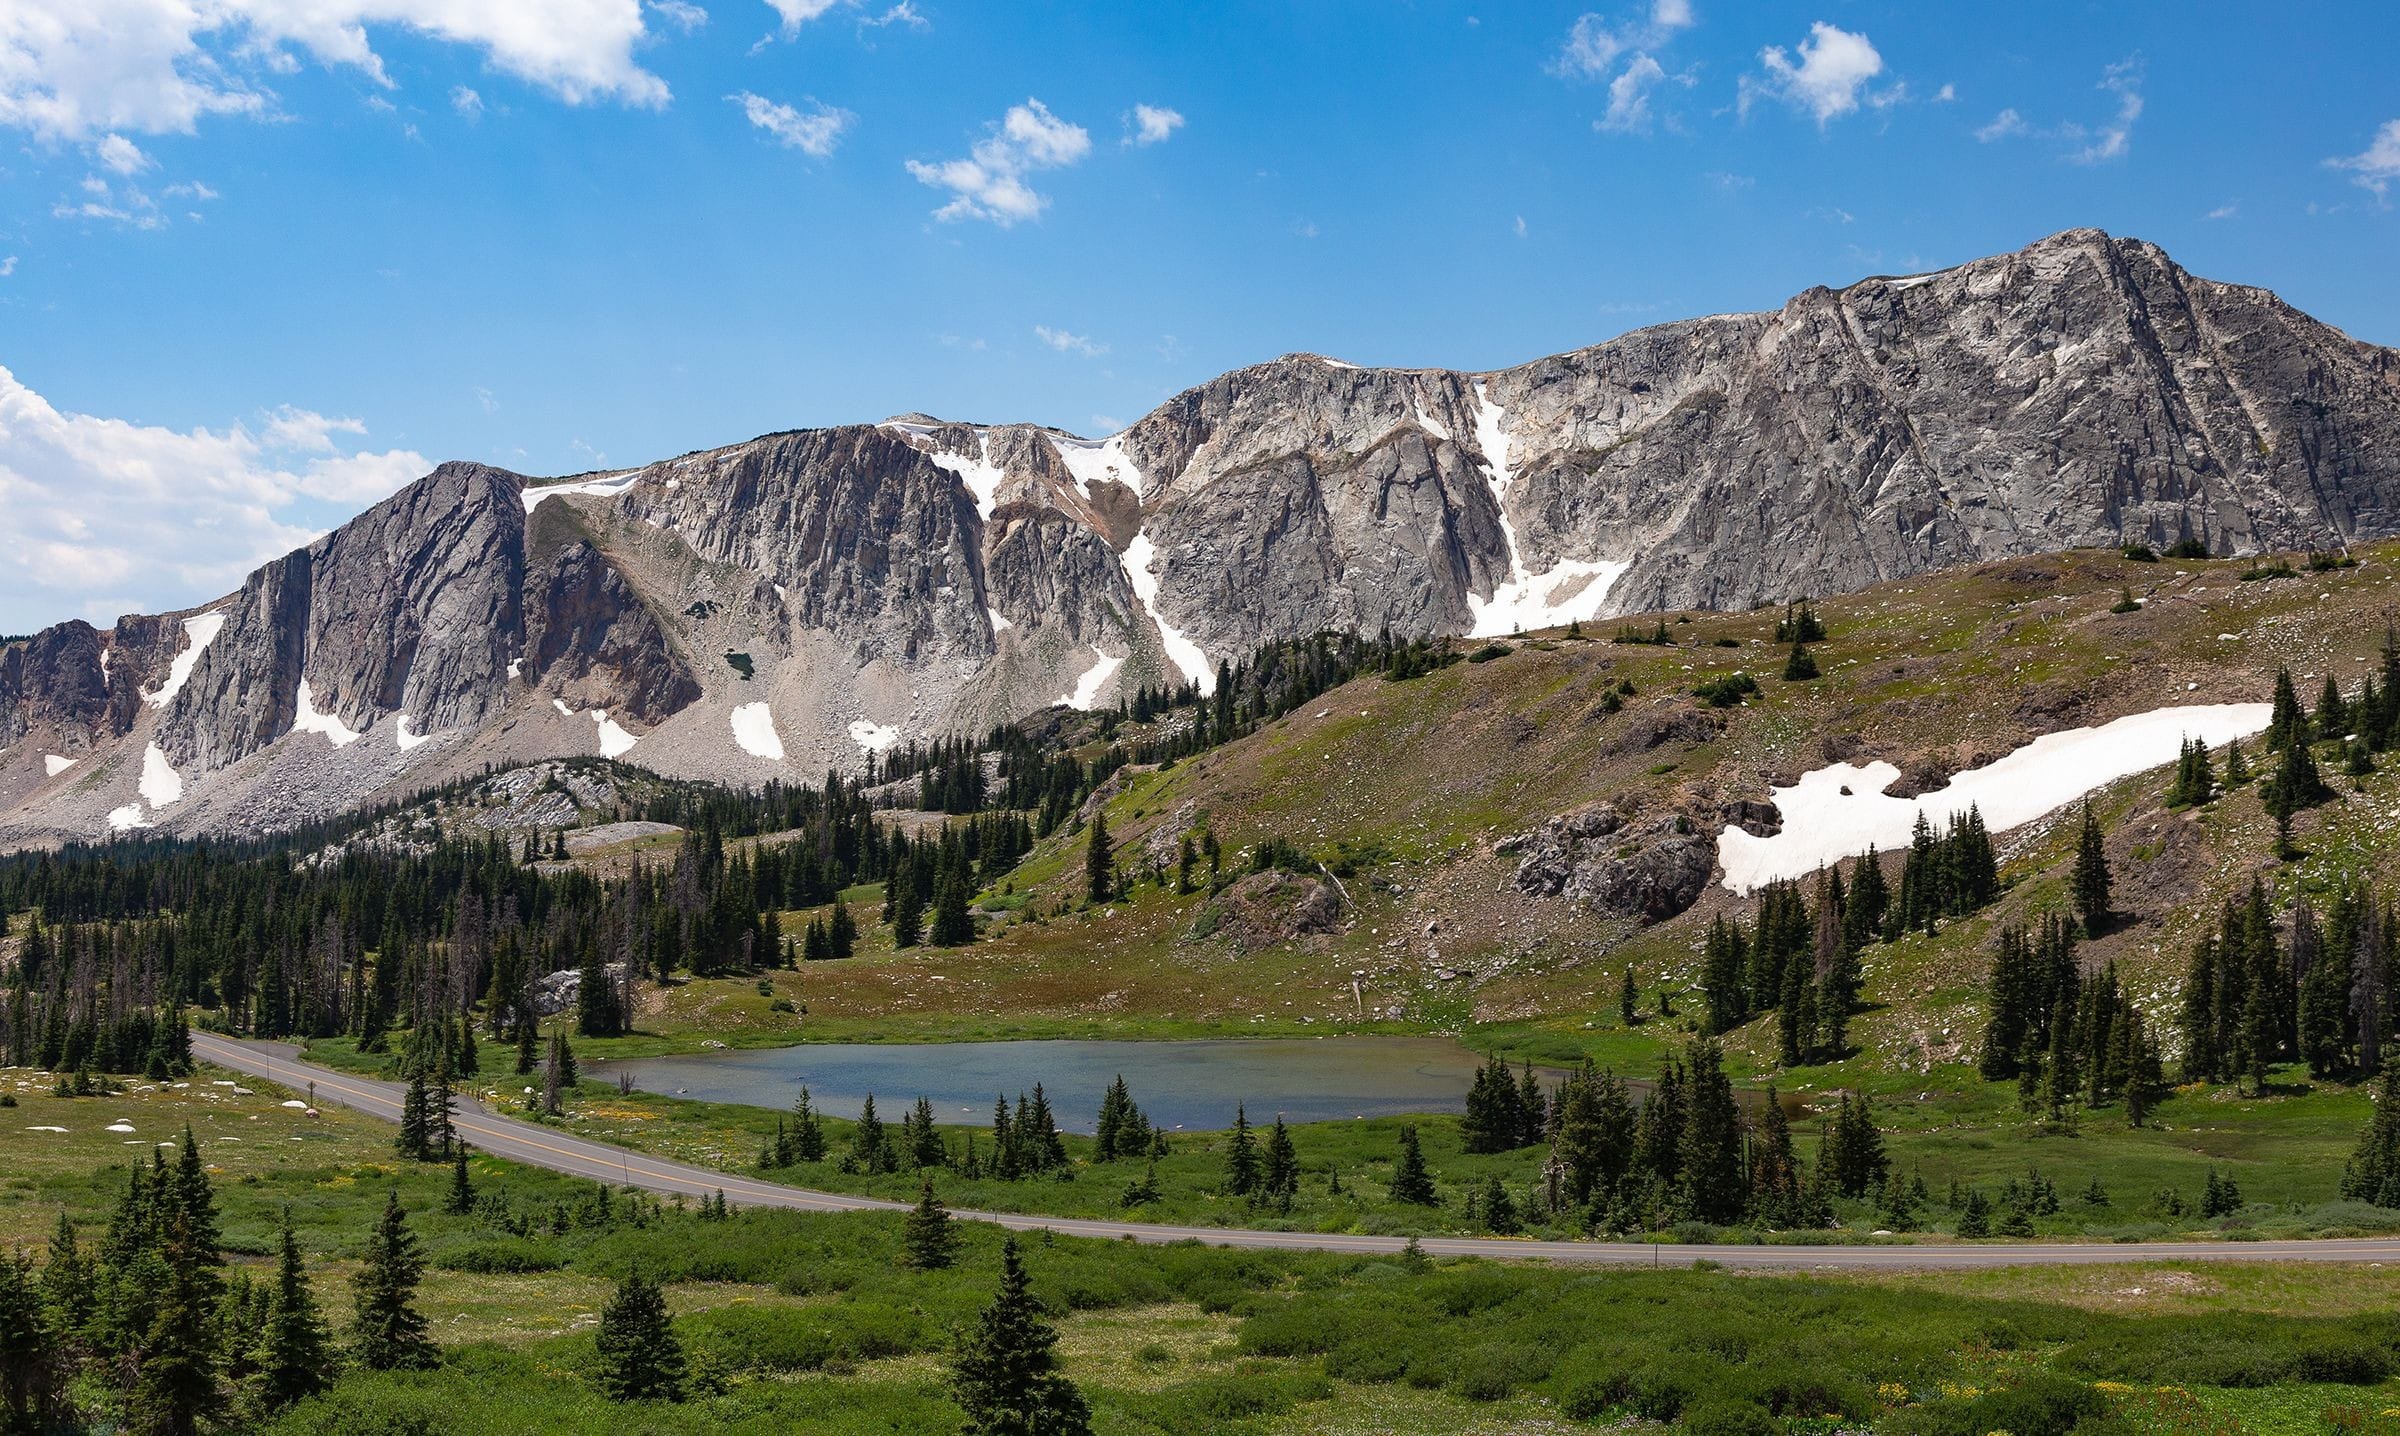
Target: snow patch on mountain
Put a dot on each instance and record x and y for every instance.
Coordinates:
(404, 738)
(1836, 812)
(615, 742)
(308, 720)
(53, 764)
(1140, 559)
(199, 631)
(754, 730)
(1571, 591)
(874, 737)
(607, 486)
(161, 785)
(1092, 460)
(126, 819)
(981, 476)
(1087, 688)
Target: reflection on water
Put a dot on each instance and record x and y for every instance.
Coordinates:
(1177, 1084)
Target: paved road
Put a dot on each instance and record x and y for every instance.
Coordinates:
(558, 1151)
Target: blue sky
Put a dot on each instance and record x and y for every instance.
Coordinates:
(252, 276)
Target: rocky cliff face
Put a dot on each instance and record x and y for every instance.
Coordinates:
(788, 603)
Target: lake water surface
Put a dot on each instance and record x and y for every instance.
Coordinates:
(1176, 1084)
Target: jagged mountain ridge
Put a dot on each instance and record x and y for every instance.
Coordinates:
(919, 576)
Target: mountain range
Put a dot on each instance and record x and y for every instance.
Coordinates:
(788, 604)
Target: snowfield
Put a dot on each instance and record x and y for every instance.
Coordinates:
(161, 785)
(1140, 560)
(308, 720)
(199, 631)
(874, 737)
(126, 819)
(404, 738)
(1091, 460)
(1087, 688)
(754, 730)
(981, 476)
(605, 487)
(1838, 811)
(615, 742)
(53, 764)
(1573, 591)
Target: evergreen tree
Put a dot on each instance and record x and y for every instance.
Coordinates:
(2288, 725)
(413, 1143)
(841, 930)
(1800, 665)
(2091, 875)
(870, 1145)
(907, 907)
(1854, 1160)
(1007, 1377)
(1279, 1178)
(1774, 1196)
(1411, 1183)
(295, 1358)
(462, 1191)
(1721, 976)
(1499, 1209)
(1099, 866)
(808, 1133)
(928, 1240)
(1711, 1159)
(1241, 1156)
(2373, 1172)
(177, 1388)
(387, 1331)
(33, 1359)
(1629, 1009)
(640, 1358)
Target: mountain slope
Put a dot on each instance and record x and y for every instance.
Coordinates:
(778, 606)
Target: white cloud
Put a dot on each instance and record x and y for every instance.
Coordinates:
(797, 13)
(2124, 80)
(1065, 343)
(1151, 124)
(2378, 165)
(99, 510)
(2005, 125)
(71, 69)
(1629, 96)
(468, 104)
(2224, 211)
(1520, 226)
(990, 183)
(1834, 65)
(122, 155)
(813, 132)
(680, 14)
(8, 266)
(1595, 47)
(126, 204)
(2088, 145)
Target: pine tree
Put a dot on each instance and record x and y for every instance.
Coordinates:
(1279, 1179)
(33, 1359)
(870, 1145)
(1721, 980)
(1975, 1218)
(1800, 665)
(1854, 1162)
(1711, 1159)
(387, 1331)
(1241, 1156)
(841, 930)
(1007, 1377)
(1099, 866)
(640, 1359)
(1411, 1183)
(2373, 1172)
(808, 1133)
(413, 1143)
(177, 1388)
(907, 905)
(928, 1240)
(296, 1352)
(462, 1191)
(1774, 1196)
(1629, 1009)
(1499, 1209)
(2091, 875)
(2288, 726)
